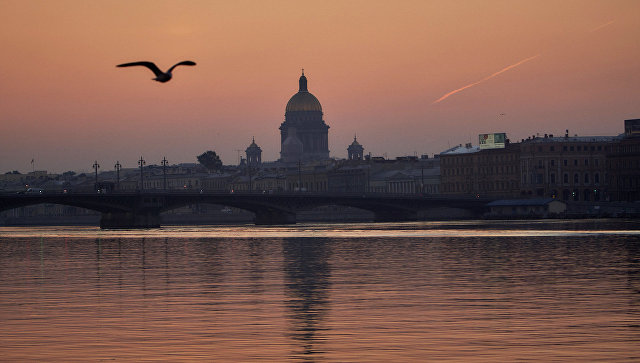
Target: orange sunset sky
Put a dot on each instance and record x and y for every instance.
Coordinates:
(408, 77)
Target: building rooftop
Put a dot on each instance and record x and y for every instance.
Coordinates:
(575, 138)
(460, 149)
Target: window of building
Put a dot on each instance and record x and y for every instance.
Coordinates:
(552, 148)
(586, 162)
(579, 148)
(576, 178)
(596, 178)
(571, 148)
(564, 148)
(575, 162)
(586, 178)
(553, 162)
(565, 162)
(565, 178)
(552, 178)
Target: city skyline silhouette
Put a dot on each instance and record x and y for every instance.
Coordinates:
(376, 67)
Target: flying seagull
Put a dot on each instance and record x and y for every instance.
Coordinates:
(160, 75)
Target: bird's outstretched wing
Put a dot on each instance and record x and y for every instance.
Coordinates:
(183, 63)
(149, 65)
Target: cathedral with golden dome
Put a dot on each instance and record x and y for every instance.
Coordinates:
(304, 136)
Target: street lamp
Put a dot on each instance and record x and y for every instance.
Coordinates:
(299, 175)
(422, 179)
(141, 162)
(118, 167)
(95, 167)
(164, 164)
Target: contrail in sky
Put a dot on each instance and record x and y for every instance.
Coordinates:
(509, 67)
(602, 26)
(485, 78)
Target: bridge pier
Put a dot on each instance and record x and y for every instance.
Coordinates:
(118, 220)
(269, 217)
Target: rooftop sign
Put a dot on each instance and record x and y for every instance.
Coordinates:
(492, 141)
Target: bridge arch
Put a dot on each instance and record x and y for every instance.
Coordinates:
(142, 209)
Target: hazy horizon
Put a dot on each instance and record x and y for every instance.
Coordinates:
(409, 77)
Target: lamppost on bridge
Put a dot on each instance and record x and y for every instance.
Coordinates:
(95, 167)
(118, 167)
(299, 175)
(141, 162)
(422, 179)
(164, 164)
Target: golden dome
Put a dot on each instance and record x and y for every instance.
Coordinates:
(303, 100)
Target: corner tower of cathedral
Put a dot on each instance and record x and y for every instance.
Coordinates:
(303, 121)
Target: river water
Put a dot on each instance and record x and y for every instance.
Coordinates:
(397, 292)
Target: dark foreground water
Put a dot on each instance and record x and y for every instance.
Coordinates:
(468, 291)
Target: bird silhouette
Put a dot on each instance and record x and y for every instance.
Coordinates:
(160, 75)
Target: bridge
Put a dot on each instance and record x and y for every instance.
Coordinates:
(142, 209)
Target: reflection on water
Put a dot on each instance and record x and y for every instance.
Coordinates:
(307, 277)
(560, 291)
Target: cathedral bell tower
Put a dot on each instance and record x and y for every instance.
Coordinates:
(254, 154)
(355, 150)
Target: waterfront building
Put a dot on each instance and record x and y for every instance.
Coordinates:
(470, 170)
(304, 133)
(623, 165)
(270, 182)
(18, 181)
(568, 168)
(404, 175)
(349, 178)
(399, 181)
(309, 177)
(217, 182)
